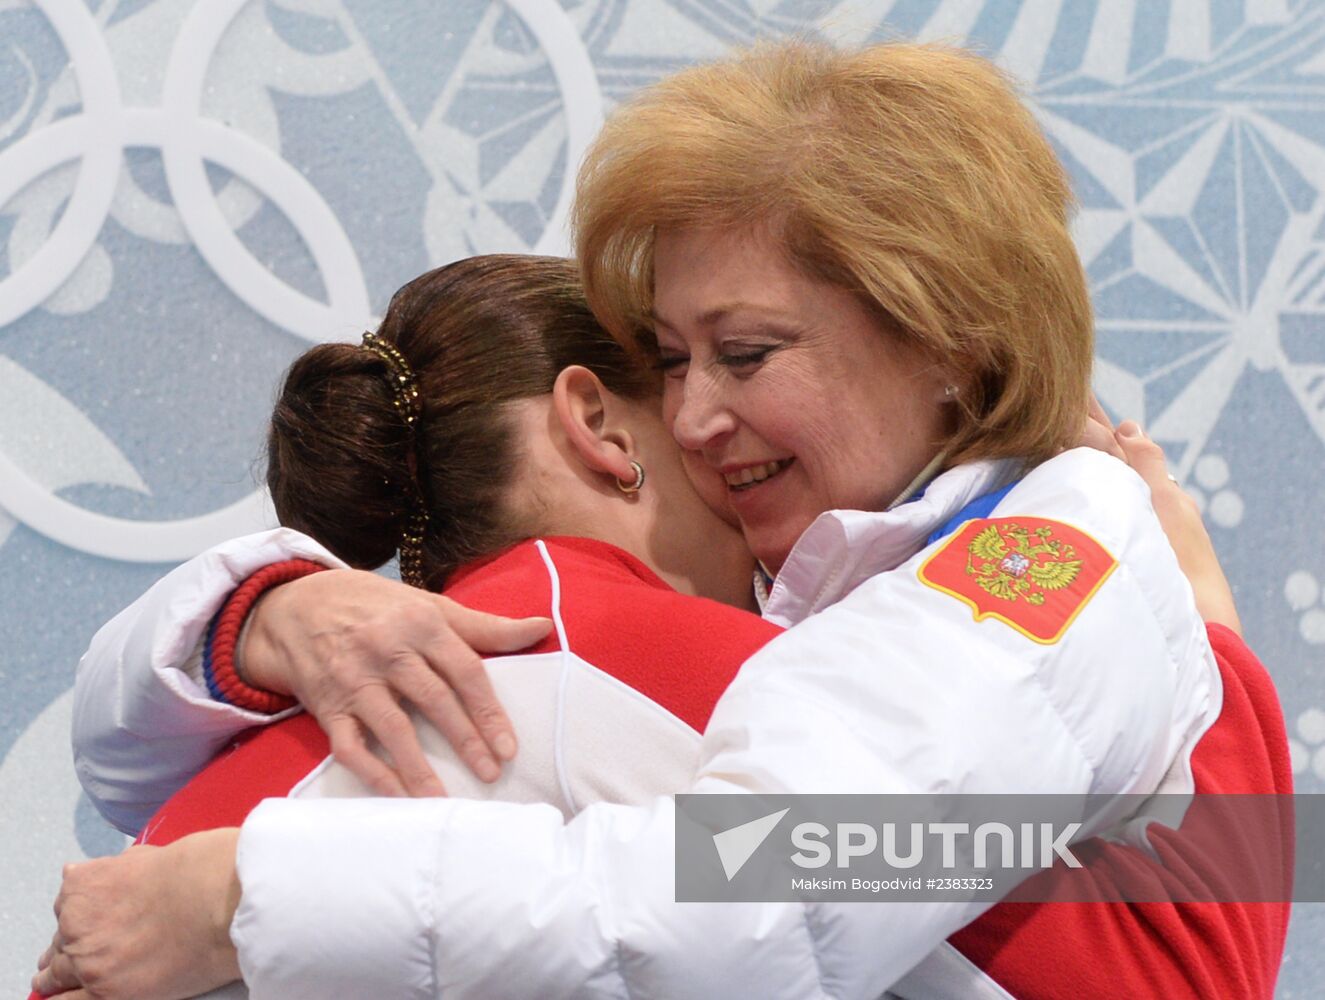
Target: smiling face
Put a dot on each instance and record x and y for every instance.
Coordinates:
(788, 397)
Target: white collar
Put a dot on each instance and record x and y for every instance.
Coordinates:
(844, 548)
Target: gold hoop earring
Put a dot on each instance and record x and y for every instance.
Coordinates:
(637, 484)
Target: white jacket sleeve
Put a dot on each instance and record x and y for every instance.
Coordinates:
(896, 689)
(142, 726)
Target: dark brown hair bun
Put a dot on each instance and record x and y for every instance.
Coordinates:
(478, 334)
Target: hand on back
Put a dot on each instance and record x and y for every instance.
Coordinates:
(352, 646)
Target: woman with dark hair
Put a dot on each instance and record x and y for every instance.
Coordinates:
(501, 352)
(587, 518)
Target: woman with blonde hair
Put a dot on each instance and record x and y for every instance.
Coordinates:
(855, 271)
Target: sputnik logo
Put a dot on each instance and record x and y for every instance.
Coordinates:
(735, 846)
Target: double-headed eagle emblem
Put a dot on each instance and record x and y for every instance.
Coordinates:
(1011, 562)
(1033, 574)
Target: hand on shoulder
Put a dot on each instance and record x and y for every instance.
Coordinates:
(1181, 520)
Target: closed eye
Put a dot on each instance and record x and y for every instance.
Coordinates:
(671, 364)
(745, 359)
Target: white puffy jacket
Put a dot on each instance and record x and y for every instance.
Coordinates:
(884, 685)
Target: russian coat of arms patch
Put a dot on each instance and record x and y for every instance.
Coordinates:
(1030, 573)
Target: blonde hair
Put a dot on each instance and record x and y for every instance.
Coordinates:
(911, 175)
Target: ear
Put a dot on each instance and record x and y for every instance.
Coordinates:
(590, 417)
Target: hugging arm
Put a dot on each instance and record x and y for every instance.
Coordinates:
(144, 721)
(484, 899)
(894, 689)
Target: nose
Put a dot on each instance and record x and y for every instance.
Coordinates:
(702, 418)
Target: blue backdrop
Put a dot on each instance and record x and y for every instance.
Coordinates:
(191, 193)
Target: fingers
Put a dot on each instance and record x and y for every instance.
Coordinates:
(391, 726)
(349, 748)
(442, 707)
(58, 975)
(1145, 457)
(455, 660)
(1101, 438)
(57, 942)
(1177, 511)
(492, 633)
(367, 647)
(1097, 412)
(1098, 432)
(143, 924)
(1181, 520)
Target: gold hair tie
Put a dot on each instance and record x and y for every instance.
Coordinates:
(404, 386)
(409, 404)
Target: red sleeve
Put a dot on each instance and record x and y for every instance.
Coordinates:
(1171, 950)
(261, 764)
